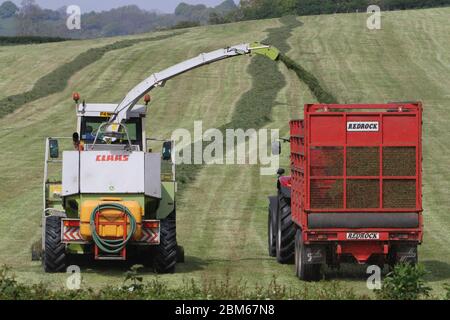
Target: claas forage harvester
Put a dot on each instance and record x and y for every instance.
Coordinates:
(114, 196)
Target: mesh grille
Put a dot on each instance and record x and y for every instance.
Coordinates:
(327, 194)
(327, 161)
(363, 194)
(363, 161)
(399, 161)
(399, 194)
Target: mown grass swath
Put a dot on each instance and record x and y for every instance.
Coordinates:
(56, 81)
(29, 40)
(254, 108)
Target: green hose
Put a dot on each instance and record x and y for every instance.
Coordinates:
(112, 246)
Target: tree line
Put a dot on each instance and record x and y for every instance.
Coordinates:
(263, 9)
(31, 20)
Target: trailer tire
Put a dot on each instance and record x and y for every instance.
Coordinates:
(399, 254)
(55, 258)
(304, 271)
(271, 231)
(166, 255)
(285, 240)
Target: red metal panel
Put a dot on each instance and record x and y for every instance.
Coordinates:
(385, 174)
(400, 129)
(327, 130)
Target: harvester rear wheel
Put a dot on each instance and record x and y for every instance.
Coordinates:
(285, 240)
(271, 231)
(55, 251)
(166, 252)
(304, 271)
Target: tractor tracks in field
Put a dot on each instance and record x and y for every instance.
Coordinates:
(57, 80)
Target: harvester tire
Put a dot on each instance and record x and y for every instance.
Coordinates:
(285, 239)
(304, 271)
(55, 259)
(271, 230)
(166, 252)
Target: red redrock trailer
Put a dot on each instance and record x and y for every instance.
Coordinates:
(355, 190)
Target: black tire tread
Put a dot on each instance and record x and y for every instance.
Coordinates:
(55, 251)
(304, 271)
(286, 249)
(165, 257)
(272, 245)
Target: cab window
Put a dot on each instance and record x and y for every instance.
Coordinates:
(90, 125)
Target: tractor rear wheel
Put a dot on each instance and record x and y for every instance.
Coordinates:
(271, 231)
(55, 259)
(303, 270)
(285, 240)
(166, 255)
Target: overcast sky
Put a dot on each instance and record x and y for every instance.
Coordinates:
(167, 6)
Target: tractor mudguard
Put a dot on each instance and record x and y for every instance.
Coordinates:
(284, 185)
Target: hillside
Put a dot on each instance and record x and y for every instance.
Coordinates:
(221, 226)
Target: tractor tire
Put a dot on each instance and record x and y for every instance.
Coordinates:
(285, 240)
(55, 258)
(304, 271)
(165, 257)
(271, 231)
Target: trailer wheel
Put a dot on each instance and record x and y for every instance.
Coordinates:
(285, 241)
(403, 254)
(271, 232)
(304, 271)
(55, 259)
(165, 257)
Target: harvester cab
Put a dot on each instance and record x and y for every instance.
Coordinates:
(113, 197)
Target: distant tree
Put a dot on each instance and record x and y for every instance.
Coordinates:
(215, 18)
(226, 6)
(8, 9)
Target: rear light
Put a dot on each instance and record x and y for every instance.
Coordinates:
(322, 236)
(403, 236)
(76, 97)
(151, 224)
(71, 223)
(147, 99)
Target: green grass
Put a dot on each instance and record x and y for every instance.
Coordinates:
(57, 80)
(222, 213)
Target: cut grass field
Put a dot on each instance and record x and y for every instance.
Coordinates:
(222, 214)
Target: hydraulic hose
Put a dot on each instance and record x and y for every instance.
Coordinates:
(107, 245)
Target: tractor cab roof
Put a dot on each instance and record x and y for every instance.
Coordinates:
(106, 110)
